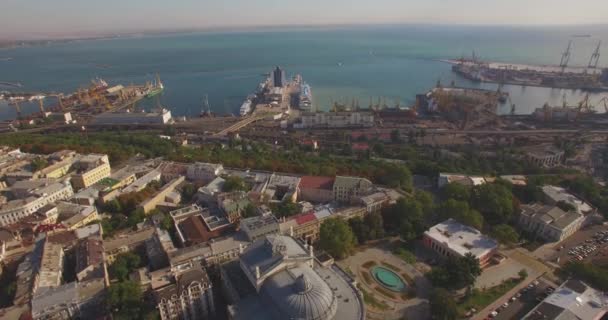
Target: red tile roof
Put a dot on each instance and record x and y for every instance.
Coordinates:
(304, 218)
(360, 146)
(317, 182)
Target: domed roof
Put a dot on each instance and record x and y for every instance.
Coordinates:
(300, 294)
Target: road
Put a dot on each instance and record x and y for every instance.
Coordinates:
(528, 300)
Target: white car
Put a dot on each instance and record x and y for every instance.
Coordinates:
(493, 314)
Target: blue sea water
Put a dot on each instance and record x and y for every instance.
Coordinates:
(340, 63)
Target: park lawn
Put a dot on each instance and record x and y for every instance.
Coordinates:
(479, 299)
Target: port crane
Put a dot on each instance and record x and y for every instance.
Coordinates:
(566, 56)
(605, 101)
(595, 57)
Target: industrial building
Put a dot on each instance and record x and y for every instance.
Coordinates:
(125, 118)
(344, 119)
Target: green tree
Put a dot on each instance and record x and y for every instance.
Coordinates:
(234, 183)
(494, 201)
(461, 211)
(123, 265)
(456, 191)
(285, 208)
(523, 273)
(113, 206)
(442, 305)
(188, 192)
(336, 238)
(505, 234)
(395, 136)
(124, 300)
(38, 164)
(249, 211)
(425, 199)
(456, 273)
(369, 228)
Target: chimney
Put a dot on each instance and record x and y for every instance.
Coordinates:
(291, 231)
(310, 250)
(257, 272)
(240, 248)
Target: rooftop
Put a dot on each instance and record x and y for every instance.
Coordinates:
(317, 182)
(572, 300)
(550, 215)
(461, 239)
(560, 194)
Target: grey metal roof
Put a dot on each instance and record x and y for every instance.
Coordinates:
(299, 293)
(270, 251)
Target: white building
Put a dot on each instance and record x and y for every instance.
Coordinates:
(550, 222)
(118, 118)
(554, 194)
(36, 198)
(574, 299)
(465, 180)
(451, 238)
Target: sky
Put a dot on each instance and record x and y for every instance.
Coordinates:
(33, 19)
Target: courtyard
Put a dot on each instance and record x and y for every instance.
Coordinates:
(391, 287)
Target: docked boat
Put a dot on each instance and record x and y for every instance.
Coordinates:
(156, 89)
(246, 107)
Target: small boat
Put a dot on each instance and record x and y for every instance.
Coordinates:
(340, 64)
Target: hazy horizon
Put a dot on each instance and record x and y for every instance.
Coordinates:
(21, 20)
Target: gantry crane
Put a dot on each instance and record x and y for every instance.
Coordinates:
(605, 101)
(566, 56)
(595, 57)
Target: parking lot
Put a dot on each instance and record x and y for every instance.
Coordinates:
(584, 245)
(524, 301)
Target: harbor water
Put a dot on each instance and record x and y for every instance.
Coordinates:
(363, 63)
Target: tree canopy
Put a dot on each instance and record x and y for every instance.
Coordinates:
(124, 264)
(461, 211)
(456, 273)
(442, 305)
(369, 228)
(494, 201)
(505, 234)
(124, 300)
(337, 238)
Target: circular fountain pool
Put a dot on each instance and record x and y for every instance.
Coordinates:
(388, 279)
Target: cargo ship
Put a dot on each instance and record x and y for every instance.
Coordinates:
(156, 89)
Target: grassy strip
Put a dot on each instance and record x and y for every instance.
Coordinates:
(479, 299)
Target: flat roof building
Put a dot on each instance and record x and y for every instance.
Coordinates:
(454, 239)
(573, 300)
(554, 194)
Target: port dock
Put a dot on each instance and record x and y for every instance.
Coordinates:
(590, 78)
